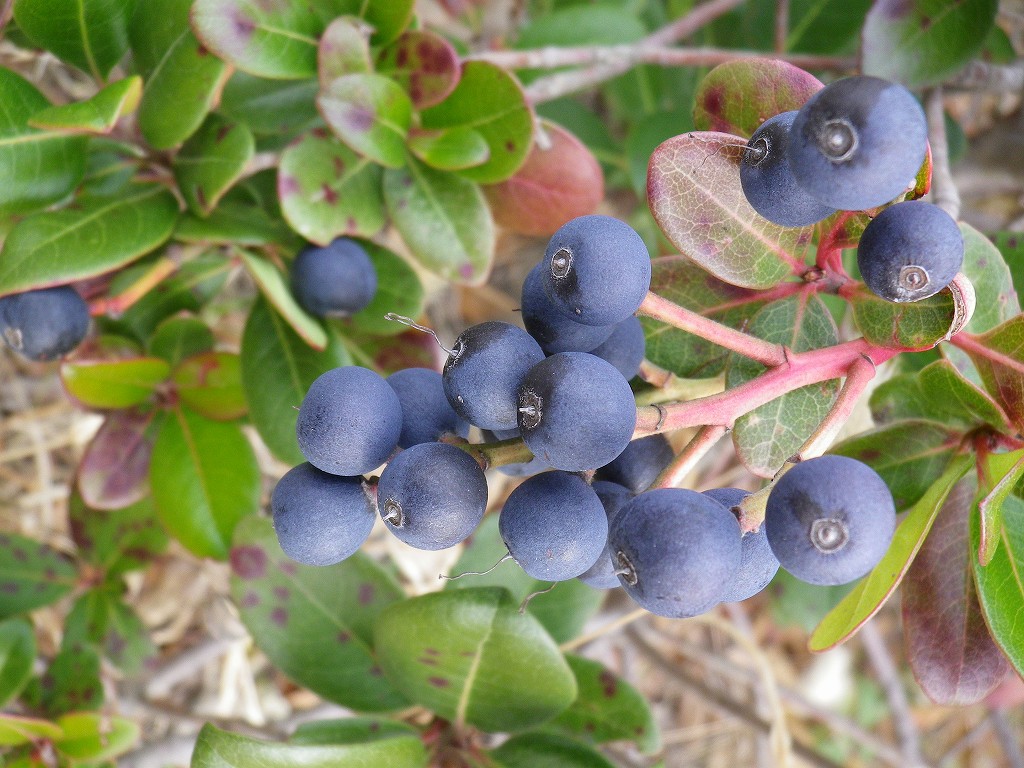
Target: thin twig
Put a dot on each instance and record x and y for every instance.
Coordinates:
(944, 191)
(861, 373)
(889, 678)
(600, 632)
(683, 464)
(781, 25)
(1007, 739)
(985, 76)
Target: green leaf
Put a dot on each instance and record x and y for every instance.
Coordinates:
(343, 50)
(471, 657)
(95, 737)
(210, 162)
(17, 654)
(72, 683)
(909, 325)
(326, 190)
(114, 383)
(98, 114)
(922, 42)
(399, 290)
(103, 233)
(36, 167)
(545, 750)
(350, 730)
(31, 575)
(99, 618)
(233, 223)
(424, 64)
(450, 150)
(771, 433)
(205, 479)
(1002, 471)
(183, 81)
(91, 34)
(693, 188)
(179, 337)
(1000, 584)
(370, 113)
(275, 289)
(210, 383)
(314, 623)
(277, 369)
(993, 284)
(736, 97)
(116, 541)
(220, 749)
(909, 455)
(563, 611)
(490, 101)
(646, 135)
(274, 107)
(607, 708)
(20, 730)
(998, 355)
(445, 221)
(868, 596)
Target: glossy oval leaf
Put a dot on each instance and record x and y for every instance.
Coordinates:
(91, 34)
(116, 541)
(326, 190)
(179, 337)
(921, 42)
(103, 233)
(911, 325)
(277, 368)
(234, 223)
(471, 657)
(274, 287)
(450, 150)
(270, 107)
(547, 750)
(183, 82)
(424, 64)
(17, 655)
(351, 730)
(490, 101)
(31, 575)
(99, 618)
(16, 730)
(72, 682)
(998, 355)
(36, 167)
(1002, 473)
(89, 736)
(314, 623)
(116, 383)
(445, 221)
(211, 161)
(990, 275)
(98, 114)
(221, 749)
(343, 50)
(210, 383)
(204, 478)
(737, 96)
(370, 113)
(693, 189)
(870, 594)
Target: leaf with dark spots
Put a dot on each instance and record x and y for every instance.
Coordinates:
(998, 355)
(547, 750)
(953, 657)
(351, 730)
(314, 623)
(211, 162)
(343, 50)
(914, 325)
(370, 113)
(989, 273)
(31, 575)
(72, 683)
(17, 654)
(736, 97)
(210, 383)
(424, 64)
(116, 541)
(113, 472)
(99, 619)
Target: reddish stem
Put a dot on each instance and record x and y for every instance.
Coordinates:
(683, 464)
(860, 373)
(115, 305)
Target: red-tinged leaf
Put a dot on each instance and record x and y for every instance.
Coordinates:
(114, 469)
(693, 189)
(423, 63)
(557, 183)
(387, 354)
(210, 384)
(1002, 474)
(953, 657)
(999, 357)
(343, 50)
(370, 113)
(911, 325)
(112, 384)
(119, 540)
(736, 97)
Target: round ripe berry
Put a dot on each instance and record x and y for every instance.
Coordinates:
(910, 251)
(638, 465)
(576, 412)
(44, 324)
(758, 565)
(554, 526)
(858, 143)
(768, 182)
(432, 496)
(553, 330)
(349, 421)
(596, 270)
(483, 373)
(319, 518)
(675, 550)
(625, 348)
(829, 520)
(337, 280)
(601, 575)
(426, 412)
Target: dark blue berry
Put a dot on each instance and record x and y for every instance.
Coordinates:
(576, 412)
(829, 520)
(638, 465)
(858, 143)
(601, 575)
(44, 324)
(426, 412)
(554, 526)
(758, 565)
(484, 371)
(767, 179)
(553, 330)
(432, 496)
(676, 551)
(319, 518)
(625, 348)
(349, 421)
(910, 251)
(596, 270)
(336, 280)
